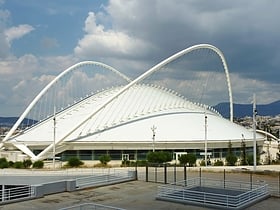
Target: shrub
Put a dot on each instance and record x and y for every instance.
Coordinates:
(188, 159)
(18, 164)
(159, 157)
(11, 164)
(4, 163)
(38, 164)
(104, 159)
(141, 163)
(218, 163)
(202, 163)
(231, 159)
(74, 162)
(27, 163)
(126, 163)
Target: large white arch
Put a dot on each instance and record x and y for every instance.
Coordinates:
(37, 98)
(145, 75)
(157, 67)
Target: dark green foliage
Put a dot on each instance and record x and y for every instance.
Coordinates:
(218, 163)
(74, 162)
(18, 165)
(4, 163)
(27, 163)
(243, 157)
(250, 157)
(202, 163)
(141, 163)
(189, 159)
(38, 164)
(104, 159)
(159, 157)
(231, 157)
(11, 164)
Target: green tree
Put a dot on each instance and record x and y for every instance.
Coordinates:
(159, 157)
(27, 163)
(18, 165)
(250, 157)
(243, 157)
(231, 158)
(4, 163)
(74, 162)
(104, 159)
(189, 159)
(38, 164)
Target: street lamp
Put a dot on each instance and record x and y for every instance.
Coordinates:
(54, 135)
(205, 138)
(153, 128)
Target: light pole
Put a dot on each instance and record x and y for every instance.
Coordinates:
(54, 135)
(254, 131)
(153, 128)
(205, 138)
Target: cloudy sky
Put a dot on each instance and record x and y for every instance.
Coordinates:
(39, 39)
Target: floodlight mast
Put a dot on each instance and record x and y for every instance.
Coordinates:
(254, 131)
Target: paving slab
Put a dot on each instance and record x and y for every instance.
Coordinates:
(134, 195)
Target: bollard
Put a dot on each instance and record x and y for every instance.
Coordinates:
(155, 174)
(147, 172)
(175, 173)
(224, 178)
(165, 174)
(136, 172)
(251, 179)
(199, 176)
(185, 174)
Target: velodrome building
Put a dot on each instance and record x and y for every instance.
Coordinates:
(129, 120)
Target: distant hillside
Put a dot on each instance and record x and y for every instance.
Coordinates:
(243, 110)
(239, 110)
(10, 121)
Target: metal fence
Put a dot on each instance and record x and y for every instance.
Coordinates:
(170, 174)
(10, 193)
(105, 179)
(213, 193)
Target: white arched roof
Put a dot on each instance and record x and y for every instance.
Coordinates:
(130, 118)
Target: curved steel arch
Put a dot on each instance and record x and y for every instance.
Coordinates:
(143, 76)
(185, 51)
(37, 98)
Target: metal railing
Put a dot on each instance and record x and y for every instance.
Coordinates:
(213, 193)
(105, 179)
(91, 206)
(170, 174)
(16, 193)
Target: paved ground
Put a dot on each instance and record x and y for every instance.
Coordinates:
(130, 195)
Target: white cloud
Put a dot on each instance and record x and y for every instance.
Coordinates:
(17, 32)
(105, 43)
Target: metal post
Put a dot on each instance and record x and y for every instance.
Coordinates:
(147, 172)
(3, 193)
(254, 131)
(224, 178)
(155, 174)
(199, 176)
(205, 143)
(185, 174)
(54, 134)
(251, 179)
(279, 183)
(165, 174)
(175, 173)
(153, 128)
(136, 172)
